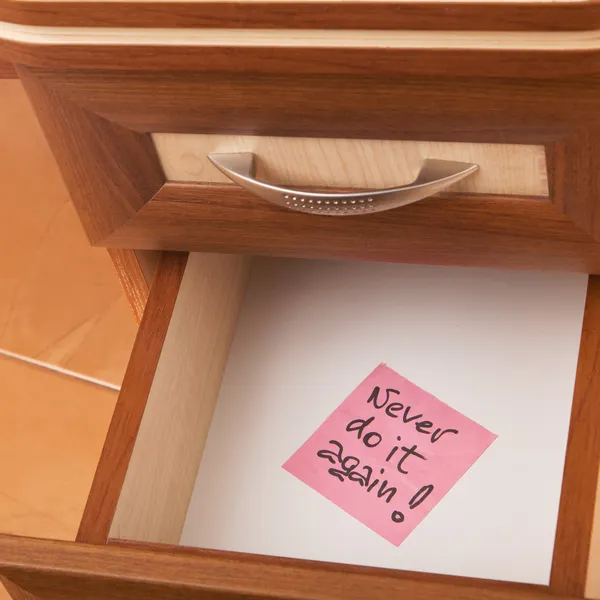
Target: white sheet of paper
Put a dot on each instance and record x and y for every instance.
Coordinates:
(499, 346)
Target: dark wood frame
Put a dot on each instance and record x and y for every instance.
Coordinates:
(7, 71)
(98, 117)
(580, 478)
(52, 570)
(323, 14)
(98, 124)
(135, 271)
(123, 430)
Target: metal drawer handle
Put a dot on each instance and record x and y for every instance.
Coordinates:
(434, 176)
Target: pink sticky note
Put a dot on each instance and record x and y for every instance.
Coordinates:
(389, 453)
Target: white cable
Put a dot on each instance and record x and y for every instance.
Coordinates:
(50, 367)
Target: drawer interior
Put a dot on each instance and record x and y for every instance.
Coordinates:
(257, 353)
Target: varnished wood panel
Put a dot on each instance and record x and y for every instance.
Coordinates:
(574, 164)
(168, 449)
(110, 171)
(148, 261)
(120, 440)
(308, 104)
(587, 390)
(448, 229)
(306, 38)
(580, 479)
(10, 590)
(442, 109)
(377, 59)
(375, 107)
(286, 561)
(7, 71)
(135, 272)
(60, 301)
(592, 585)
(62, 571)
(486, 15)
(504, 169)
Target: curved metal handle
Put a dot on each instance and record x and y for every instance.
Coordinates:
(434, 176)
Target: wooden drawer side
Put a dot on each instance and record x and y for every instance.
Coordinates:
(174, 409)
(112, 467)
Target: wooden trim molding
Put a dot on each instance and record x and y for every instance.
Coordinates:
(70, 571)
(15, 592)
(148, 262)
(449, 229)
(289, 14)
(110, 171)
(310, 37)
(122, 433)
(135, 271)
(580, 479)
(98, 124)
(573, 163)
(428, 58)
(7, 70)
(309, 104)
(522, 39)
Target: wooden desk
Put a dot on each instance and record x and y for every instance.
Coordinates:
(334, 95)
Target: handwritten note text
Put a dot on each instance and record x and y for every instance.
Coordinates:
(389, 453)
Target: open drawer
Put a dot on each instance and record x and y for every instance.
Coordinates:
(239, 360)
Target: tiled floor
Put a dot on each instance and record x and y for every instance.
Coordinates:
(52, 428)
(60, 303)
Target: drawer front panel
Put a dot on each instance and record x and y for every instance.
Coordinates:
(143, 191)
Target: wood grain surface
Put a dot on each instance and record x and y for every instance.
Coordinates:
(60, 302)
(498, 111)
(109, 171)
(580, 479)
(396, 39)
(546, 62)
(306, 103)
(419, 93)
(504, 168)
(393, 108)
(7, 71)
(148, 262)
(447, 229)
(13, 591)
(65, 571)
(573, 165)
(120, 440)
(168, 449)
(485, 15)
(406, 109)
(135, 275)
(293, 562)
(592, 586)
